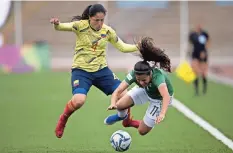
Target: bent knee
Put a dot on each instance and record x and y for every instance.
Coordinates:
(124, 103)
(142, 132)
(78, 100)
(120, 106)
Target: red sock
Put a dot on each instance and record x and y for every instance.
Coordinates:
(69, 109)
(129, 111)
(128, 122)
(129, 114)
(135, 123)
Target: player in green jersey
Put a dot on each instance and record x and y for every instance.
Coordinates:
(153, 86)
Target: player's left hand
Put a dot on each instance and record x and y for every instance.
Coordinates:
(160, 118)
(111, 107)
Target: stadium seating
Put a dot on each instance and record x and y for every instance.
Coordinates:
(160, 23)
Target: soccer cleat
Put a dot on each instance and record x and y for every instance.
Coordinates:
(113, 119)
(61, 126)
(129, 122)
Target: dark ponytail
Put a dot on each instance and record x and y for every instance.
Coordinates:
(85, 15)
(150, 53)
(90, 11)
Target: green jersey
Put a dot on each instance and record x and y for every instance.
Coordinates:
(159, 76)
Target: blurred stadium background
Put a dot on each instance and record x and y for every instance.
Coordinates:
(31, 102)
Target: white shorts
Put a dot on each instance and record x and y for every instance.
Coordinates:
(139, 97)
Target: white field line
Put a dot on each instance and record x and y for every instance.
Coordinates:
(202, 123)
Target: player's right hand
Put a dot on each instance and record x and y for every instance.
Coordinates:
(160, 118)
(112, 107)
(54, 21)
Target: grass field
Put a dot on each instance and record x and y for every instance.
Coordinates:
(30, 105)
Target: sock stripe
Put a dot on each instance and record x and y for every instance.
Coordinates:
(71, 105)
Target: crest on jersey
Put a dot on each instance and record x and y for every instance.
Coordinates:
(103, 35)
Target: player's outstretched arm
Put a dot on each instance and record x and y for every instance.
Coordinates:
(120, 45)
(61, 26)
(117, 93)
(165, 102)
(125, 48)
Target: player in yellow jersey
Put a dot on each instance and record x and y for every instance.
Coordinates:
(89, 63)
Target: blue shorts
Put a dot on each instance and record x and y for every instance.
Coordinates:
(104, 79)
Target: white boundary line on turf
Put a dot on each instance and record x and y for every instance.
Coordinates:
(222, 80)
(202, 123)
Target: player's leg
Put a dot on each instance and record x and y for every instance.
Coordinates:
(123, 104)
(196, 69)
(128, 121)
(81, 82)
(204, 70)
(135, 96)
(143, 129)
(107, 82)
(149, 119)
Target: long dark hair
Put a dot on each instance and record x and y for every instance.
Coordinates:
(151, 53)
(90, 11)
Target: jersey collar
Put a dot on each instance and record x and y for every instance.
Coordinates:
(91, 26)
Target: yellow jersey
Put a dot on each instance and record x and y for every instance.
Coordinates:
(90, 49)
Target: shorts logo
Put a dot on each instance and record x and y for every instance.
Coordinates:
(129, 77)
(115, 77)
(76, 83)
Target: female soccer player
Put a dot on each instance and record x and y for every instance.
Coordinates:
(200, 42)
(153, 86)
(89, 63)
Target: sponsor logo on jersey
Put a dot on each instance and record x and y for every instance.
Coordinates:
(129, 77)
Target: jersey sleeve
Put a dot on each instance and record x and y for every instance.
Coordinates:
(159, 79)
(206, 35)
(191, 39)
(130, 78)
(119, 44)
(69, 26)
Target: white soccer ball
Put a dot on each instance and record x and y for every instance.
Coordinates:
(120, 140)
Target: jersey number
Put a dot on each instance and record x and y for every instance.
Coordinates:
(94, 46)
(154, 110)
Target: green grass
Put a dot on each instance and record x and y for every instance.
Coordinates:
(216, 106)
(30, 105)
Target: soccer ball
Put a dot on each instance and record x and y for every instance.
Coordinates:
(120, 140)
